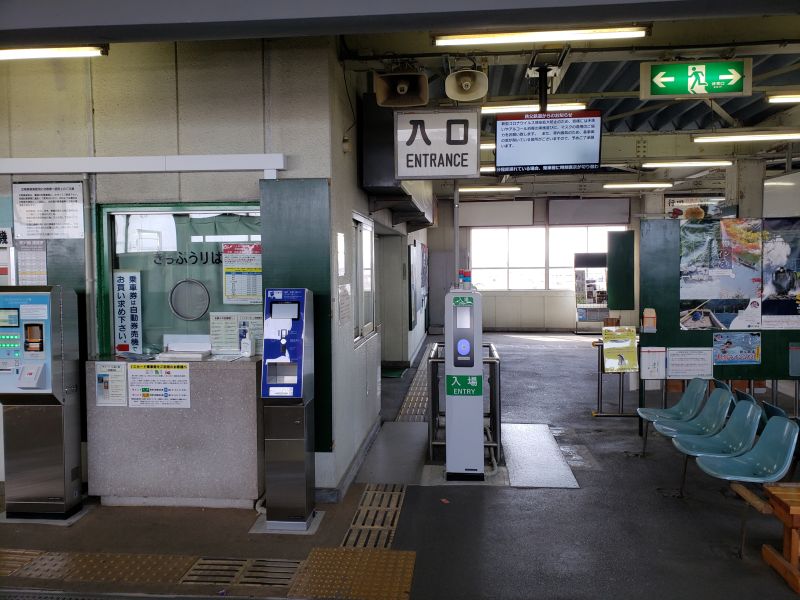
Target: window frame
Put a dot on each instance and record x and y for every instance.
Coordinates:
(547, 267)
(361, 327)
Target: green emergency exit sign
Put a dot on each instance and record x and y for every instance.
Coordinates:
(696, 79)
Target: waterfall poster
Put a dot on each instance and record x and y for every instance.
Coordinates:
(720, 274)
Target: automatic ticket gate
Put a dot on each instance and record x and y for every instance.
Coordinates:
(463, 331)
(39, 375)
(287, 390)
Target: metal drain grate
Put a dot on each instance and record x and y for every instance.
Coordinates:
(415, 404)
(376, 518)
(242, 571)
(11, 560)
(355, 574)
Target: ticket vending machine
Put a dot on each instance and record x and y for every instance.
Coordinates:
(39, 378)
(463, 349)
(287, 390)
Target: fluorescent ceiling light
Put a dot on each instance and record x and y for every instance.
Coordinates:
(775, 183)
(638, 185)
(784, 98)
(766, 136)
(526, 37)
(675, 164)
(495, 109)
(492, 189)
(488, 169)
(488, 146)
(70, 52)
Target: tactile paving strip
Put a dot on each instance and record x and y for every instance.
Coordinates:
(234, 571)
(415, 404)
(355, 574)
(11, 560)
(95, 567)
(129, 568)
(375, 521)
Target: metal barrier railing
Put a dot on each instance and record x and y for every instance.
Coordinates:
(436, 358)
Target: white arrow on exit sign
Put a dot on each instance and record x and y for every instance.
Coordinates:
(660, 79)
(733, 77)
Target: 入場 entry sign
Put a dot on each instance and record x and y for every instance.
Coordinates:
(434, 144)
(696, 79)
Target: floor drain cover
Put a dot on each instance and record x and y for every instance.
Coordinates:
(242, 571)
(11, 560)
(375, 521)
(350, 574)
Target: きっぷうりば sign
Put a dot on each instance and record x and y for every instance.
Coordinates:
(432, 144)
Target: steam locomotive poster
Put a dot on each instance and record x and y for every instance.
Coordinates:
(720, 274)
(781, 264)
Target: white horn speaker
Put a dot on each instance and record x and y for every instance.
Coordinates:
(397, 90)
(466, 85)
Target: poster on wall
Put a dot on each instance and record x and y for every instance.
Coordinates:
(619, 350)
(737, 348)
(720, 274)
(241, 271)
(127, 290)
(781, 268)
(653, 362)
(698, 207)
(31, 262)
(111, 381)
(48, 210)
(158, 385)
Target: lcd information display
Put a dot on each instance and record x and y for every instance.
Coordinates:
(554, 142)
(285, 310)
(9, 317)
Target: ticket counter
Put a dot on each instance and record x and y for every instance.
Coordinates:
(154, 450)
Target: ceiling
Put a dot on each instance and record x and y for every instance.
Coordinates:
(605, 75)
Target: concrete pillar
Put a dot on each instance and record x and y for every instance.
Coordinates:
(653, 203)
(744, 186)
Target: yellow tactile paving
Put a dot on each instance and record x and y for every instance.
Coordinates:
(355, 574)
(12, 560)
(130, 568)
(415, 404)
(49, 565)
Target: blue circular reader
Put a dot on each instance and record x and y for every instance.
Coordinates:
(463, 347)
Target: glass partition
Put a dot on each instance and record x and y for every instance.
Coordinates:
(189, 264)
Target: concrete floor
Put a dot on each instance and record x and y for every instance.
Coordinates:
(622, 534)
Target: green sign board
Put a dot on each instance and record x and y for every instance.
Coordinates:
(464, 385)
(696, 79)
(463, 301)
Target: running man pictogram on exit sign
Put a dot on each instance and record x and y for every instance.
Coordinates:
(696, 79)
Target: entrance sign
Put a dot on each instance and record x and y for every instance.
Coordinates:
(693, 79)
(434, 144)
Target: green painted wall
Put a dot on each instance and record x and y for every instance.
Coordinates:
(621, 245)
(296, 252)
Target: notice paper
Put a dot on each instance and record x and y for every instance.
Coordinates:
(48, 211)
(111, 380)
(653, 363)
(687, 363)
(227, 329)
(158, 385)
(241, 271)
(31, 262)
